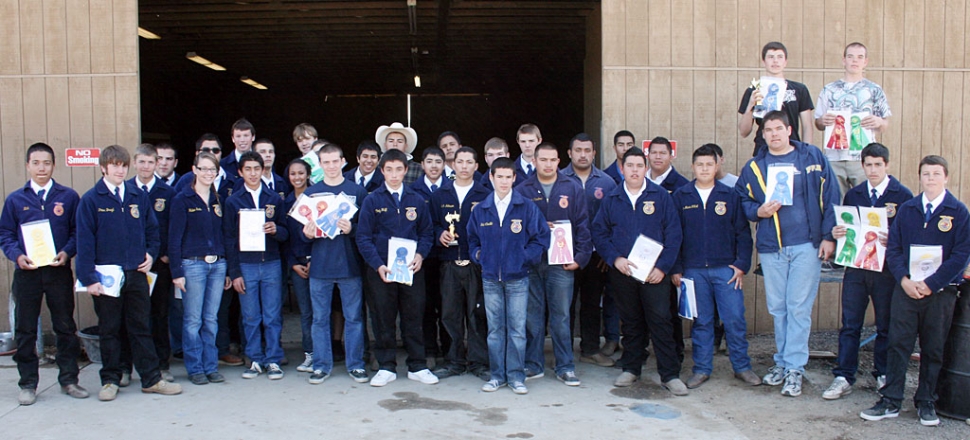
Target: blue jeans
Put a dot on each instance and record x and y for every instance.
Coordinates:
(857, 287)
(351, 299)
(791, 285)
(261, 306)
(550, 289)
(712, 290)
(506, 304)
(301, 288)
(200, 322)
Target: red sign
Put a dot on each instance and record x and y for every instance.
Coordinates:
(82, 157)
(673, 148)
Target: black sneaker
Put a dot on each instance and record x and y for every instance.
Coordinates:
(216, 377)
(927, 414)
(199, 379)
(445, 372)
(483, 373)
(359, 376)
(318, 377)
(884, 409)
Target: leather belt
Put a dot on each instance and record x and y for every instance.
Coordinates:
(207, 258)
(462, 263)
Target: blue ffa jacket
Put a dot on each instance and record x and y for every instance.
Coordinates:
(273, 204)
(715, 236)
(160, 196)
(948, 227)
(487, 182)
(673, 181)
(506, 250)
(297, 245)
(195, 228)
(226, 186)
(566, 202)
(892, 198)
(444, 202)
(380, 219)
(114, 233)
(419, 187)
(23, 206)
(376, 181)
(614, 171)
(337, 257)
(619, 223)
(597, 186)
(172, 179)
(818, 184)
(230, 164)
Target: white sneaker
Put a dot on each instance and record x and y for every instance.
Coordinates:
(383, 377)
(424, 376)
(793, 384)
(775, 376)
(307, 365)
(840, 387)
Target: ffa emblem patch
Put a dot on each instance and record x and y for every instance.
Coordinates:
(159, 205)
(563, 202)
(411, 213)
(945, 224)
(58, 209)
(720, 208)
(217, 209)
(648, 207)
(270, 211)
(890, 210)
(516, 226)
(134, 211)
(598, 193)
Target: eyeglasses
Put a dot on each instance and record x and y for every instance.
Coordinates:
(215, 150)
(207, 170)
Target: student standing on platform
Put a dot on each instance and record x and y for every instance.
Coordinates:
(43, 199)
(507, 235)
(923, 309)
(255, 275)
(116, 226)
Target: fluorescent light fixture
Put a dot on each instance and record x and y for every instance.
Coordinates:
(255, 84)
(147, 34)
(192, 56)
(417, 81)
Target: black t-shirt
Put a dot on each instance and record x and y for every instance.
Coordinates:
(797, 99)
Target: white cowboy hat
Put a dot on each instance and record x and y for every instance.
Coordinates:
(410, 135)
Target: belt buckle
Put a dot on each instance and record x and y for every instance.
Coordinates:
(211, 258)
(462, 263)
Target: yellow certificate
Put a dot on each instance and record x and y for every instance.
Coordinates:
(39, 242)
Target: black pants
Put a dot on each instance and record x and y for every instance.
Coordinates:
(161, 298)
(433, 326)
(386, 301)
(590, 286)
(131, 311)
(930, 319)
(676, 323)
(29, 288)
(463, 315)
(643, 307)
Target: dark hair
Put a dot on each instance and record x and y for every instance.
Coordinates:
(634, 151)
(42, 148)
(774, 45)
(503, 163)
(717, 149)
(208, 156)
(581, 137)
(935, 160)
(115, 154)
(392, 156)
(446, 134)
(547, 146)
(167, 146)
(297, 162)
(250, 156)
(660, 140)
(855, 44)
(242, 125)
(368, 144)
(264, 141)
(432, 151)
(207, 137)
(330, 148)
(875, 149)
(776, 115)
(468, 150)
(705, 150)
(621, 133)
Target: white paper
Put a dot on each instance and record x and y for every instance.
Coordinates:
(924, 261)
(687, 300)
(860, 247)
(340, 207)
(251, 235)
(39, 242)
(152, 277)
(837, 134)
(773, 95)
(111, 278)
(780, 185)
(400, 253)
(561, 243)
(644, 255)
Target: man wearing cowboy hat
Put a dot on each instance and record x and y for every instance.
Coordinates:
(398, 137)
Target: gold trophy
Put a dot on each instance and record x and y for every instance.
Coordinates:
(756, 83)
(451, 219)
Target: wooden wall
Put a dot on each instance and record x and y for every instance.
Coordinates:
(677, 68)
(69, 78)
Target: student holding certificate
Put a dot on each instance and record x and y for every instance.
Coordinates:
(116, 226)
(923, 309)
(254, 230)
(51, 207)
(638, 207)
(198, 261)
